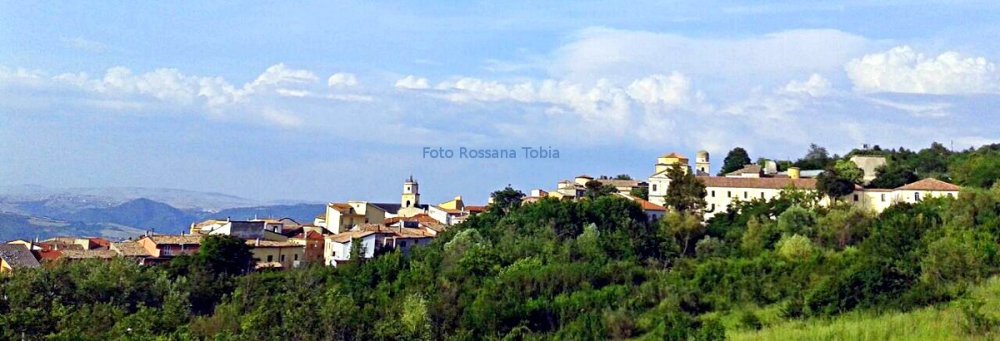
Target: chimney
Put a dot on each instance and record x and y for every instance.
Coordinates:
(257, 242)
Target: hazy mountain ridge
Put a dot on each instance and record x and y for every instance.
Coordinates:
(36, 211)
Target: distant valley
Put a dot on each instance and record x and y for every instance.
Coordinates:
(27, 212)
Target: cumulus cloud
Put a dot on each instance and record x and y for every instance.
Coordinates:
(342, 80)
(904, 70)
(413, 83)
(815, 86)
(122, 89)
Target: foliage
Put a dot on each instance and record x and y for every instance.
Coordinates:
(833, 184)
(686, 193)
(588, 269)
(596, 189)
(848, 170)
(506, 199)
(736, 159)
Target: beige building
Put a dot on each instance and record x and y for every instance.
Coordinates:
(268, 254)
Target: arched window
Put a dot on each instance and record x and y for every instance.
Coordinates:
(407, 203)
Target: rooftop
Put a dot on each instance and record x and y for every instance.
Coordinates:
(929, 184)
(18, 256)
(175, 239)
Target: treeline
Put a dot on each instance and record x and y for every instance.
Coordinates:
(593, 269)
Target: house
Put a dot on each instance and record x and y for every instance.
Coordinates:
(78, 255)
(337, 249)
(869, 165)
(162, 248)
(131, 250)
(269, 254)
(312, 243)
(15, 258)
(244, 229)
(342, 217)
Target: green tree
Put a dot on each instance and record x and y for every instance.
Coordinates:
(892, 176)
(506, 199)
(686, 193)
(816, 158)
(978, 170)
(640, 192)
(795, 248)
(221, 254)
(831, 183)
(736, 159)
(596, 189)
(848, 170)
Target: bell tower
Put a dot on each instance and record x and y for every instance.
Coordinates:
(411, 193)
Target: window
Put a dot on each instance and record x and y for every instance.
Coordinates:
(855, 197)
(883, 197)
(762, 195)
(713, 194)
(916, 196)
(729, 194)
(745, 195)
(654, 187)
(951, 195)
(296, 257)
(270, 258)
(282, 258)
(402, 243)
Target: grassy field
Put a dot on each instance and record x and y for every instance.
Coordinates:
(943, 322)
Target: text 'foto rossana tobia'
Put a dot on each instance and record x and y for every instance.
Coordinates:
(491, 153)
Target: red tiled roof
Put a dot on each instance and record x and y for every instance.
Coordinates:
(342, 208)
(768, 183)
(674, 155)
(930, 184)
(648, 206)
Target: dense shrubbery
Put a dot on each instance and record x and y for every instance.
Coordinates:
(593, 269)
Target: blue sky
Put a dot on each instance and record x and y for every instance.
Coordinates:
(326, 101)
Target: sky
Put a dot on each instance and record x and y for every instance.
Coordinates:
(330, 101)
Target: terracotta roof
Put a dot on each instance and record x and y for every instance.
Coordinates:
(49, 255)
(768, 183)
(18, 256)
(930, 184)
(175, 239)
(129, 249)
(585, 177)
(100, 242)
(89, 254)
(475, 209)
(349, 235)
(648, 206)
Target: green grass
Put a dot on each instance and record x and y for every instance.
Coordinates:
(942, 322)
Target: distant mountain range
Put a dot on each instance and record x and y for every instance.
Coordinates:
(35, 211)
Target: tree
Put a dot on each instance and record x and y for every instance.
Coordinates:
(221, 254)
(848, 170)
(686, 193)
(832, 184)
(736, 159)
(506, 199)
(978, 170)
(640, 192)
(816, 158)
(892, 176)
(596, 189)
(623, 177)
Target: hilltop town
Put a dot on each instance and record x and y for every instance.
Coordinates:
(370, 229)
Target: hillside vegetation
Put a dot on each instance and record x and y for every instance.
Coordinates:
(594, 269)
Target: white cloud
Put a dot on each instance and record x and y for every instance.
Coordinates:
(903, 70)
(660, 89)
(623, 55)
(165, 89)
(342, 80)
(413, 83)
(815, 86)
